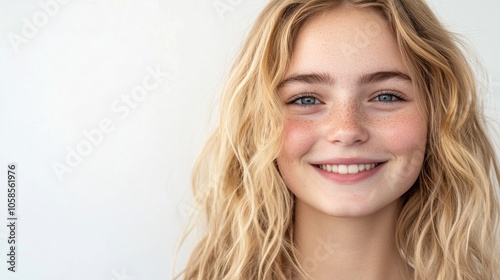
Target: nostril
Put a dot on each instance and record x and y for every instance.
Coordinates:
(348, 135)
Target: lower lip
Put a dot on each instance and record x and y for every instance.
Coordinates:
(349, 178)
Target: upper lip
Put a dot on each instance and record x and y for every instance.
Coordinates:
(347, 161)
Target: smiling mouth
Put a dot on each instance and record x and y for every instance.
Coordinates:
(347, 169)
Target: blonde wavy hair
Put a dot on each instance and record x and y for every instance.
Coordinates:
(447, 225)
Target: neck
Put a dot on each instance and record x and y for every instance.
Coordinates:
(348, 248)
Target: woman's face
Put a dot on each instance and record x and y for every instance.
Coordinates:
(354, 131)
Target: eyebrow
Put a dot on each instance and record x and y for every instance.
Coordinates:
(325, 78)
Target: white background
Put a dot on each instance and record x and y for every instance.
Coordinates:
(116, 213)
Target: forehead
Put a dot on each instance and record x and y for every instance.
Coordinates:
(346, 40)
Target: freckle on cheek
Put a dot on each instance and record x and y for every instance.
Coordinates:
(404, 131)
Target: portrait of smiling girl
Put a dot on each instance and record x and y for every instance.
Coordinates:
(351, 145)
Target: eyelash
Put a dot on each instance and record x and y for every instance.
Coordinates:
(399, 98)
(300, 96)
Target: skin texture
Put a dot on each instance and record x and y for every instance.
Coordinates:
(344, 224)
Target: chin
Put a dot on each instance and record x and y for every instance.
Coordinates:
(356, 209)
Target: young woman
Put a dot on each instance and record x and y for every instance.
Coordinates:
(350, 146)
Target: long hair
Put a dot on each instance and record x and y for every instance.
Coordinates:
(447, 224)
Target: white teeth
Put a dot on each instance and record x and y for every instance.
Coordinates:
(335, 168)
(343, 169)
(347, 169)
(353, 169)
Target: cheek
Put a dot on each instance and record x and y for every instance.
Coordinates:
(403, 133)
(404, 137)
(298, 137)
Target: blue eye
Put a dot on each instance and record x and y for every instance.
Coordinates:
(388, 97)
(306, 101)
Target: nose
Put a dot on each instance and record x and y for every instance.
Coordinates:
(346, 124)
